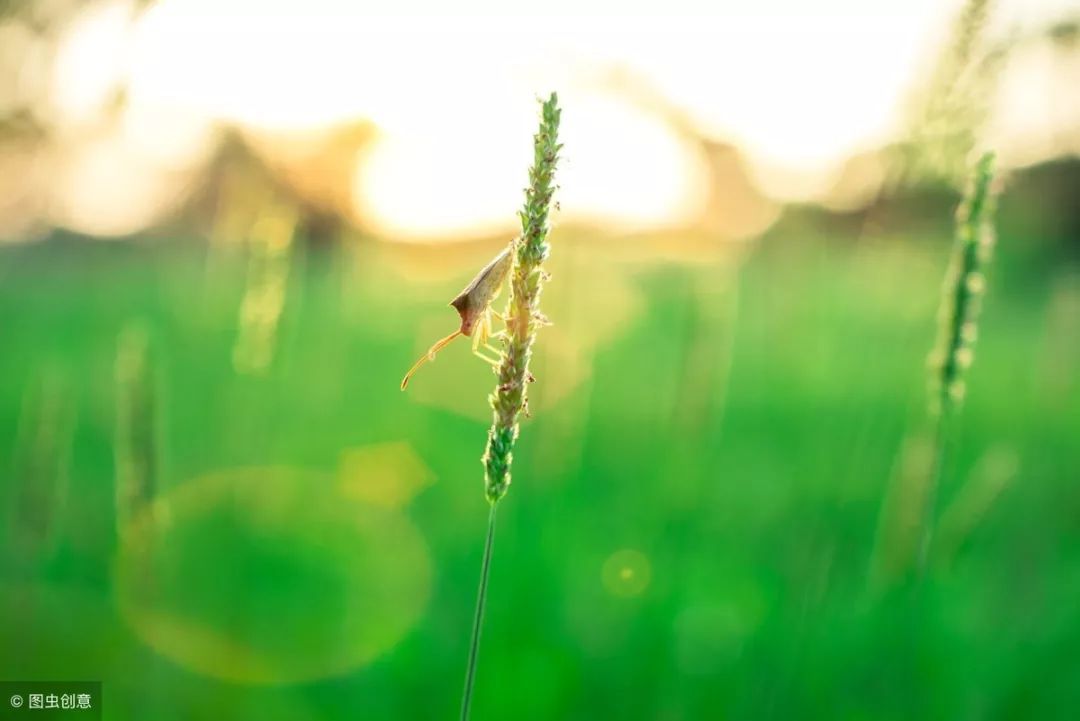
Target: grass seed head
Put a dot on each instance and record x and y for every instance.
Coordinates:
(509, 400)
(965, 285)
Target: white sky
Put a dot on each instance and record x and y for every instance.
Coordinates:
(798, 86)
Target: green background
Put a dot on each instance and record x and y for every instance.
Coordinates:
(707, 516)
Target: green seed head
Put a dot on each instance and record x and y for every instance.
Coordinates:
(510, 399)
(965, 285)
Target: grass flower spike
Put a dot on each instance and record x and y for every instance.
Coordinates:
(523, 317)
(964, 286)
(959, 316)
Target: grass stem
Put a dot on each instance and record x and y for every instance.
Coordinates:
(937, 469)
(509, 400)
(478, 619)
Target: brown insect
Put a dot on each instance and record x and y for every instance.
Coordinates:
(474, 306)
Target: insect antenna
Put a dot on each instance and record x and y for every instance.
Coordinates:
(430, 355)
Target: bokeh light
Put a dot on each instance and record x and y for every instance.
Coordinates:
(269, 575)
(626, 573)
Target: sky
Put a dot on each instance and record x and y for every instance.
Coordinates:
(798, 87)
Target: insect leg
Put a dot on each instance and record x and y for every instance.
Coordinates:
(480, 339)
(429, 356)
(482, 330)
(493, 361)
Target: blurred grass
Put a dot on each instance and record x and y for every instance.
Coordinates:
(735, 422)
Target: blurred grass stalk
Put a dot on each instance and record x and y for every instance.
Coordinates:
(988, 481)
(523, 318)
(136, 446)
(961, 303)
(42, 461)
(947, 114)
(267, 282)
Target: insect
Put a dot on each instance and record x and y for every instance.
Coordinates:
(473, 304)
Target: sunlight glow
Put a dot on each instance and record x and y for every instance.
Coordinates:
(799, 89)
(91, 61)
(103, 188)
(467, 173)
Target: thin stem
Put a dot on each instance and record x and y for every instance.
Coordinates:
(930, 504)
(478, 619)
